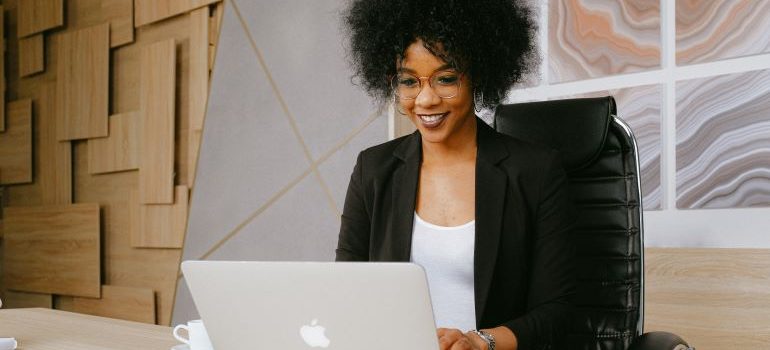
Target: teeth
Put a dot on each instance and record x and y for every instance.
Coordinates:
(431, 118)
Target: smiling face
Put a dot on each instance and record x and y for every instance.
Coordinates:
(449, 121)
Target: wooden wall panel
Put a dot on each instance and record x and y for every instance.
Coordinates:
(199, 84)
(713, 298)
(16, 144)
(35, 16)
(120, 14)
(215, 25)
(124, 265)
(83, 83)
(157, 106)
(55, 157)
(117, 152)
(199, 66)
(149, 11)
(126, 303)
(31, 55)
(2, 69)
(18, 300)
(160, 225)
(53, 249)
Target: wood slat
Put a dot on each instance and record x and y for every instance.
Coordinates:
(53, 249)
(215, 26)
(35, 16)
(16, 144)
(125, 303)
(117, 152)
(713, 298)
(160, 225)
(199, 85)
(149, 11)
(157, 103)
(20, 300)
(120, 14)
(55, 165)
(31, 55)
(83, 82)
(193, 149)
(199, 66)
(2, 70)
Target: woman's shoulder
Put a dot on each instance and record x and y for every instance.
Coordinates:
(396, 148)
(384, 155)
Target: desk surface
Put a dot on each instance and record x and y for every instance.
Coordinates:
(45, 329)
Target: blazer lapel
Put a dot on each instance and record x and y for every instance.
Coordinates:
(405, 180)
(491, 184)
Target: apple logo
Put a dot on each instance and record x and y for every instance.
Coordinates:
(313, 335)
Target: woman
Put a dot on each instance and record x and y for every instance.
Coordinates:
(486, 215)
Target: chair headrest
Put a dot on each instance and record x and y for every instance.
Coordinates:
(577, 128)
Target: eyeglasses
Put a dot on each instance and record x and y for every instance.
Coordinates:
(446, 84)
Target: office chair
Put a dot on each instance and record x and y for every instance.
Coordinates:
(601, 159)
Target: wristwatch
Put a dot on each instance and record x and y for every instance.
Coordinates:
(488, 338)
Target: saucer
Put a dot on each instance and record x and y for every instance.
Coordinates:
(180, 347)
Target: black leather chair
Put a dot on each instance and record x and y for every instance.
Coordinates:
(600, 155)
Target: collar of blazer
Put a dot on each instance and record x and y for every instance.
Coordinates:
(491, 182)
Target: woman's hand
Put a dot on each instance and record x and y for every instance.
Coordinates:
(454, 339)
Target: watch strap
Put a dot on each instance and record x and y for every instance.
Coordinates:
(487, 337)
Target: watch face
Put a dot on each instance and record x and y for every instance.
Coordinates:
(487, 338)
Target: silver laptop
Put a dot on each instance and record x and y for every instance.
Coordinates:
(306, 305)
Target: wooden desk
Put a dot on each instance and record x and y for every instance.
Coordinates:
(45, 329)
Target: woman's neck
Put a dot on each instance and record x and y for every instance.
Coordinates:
(458, 147)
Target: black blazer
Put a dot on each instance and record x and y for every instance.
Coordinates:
(523, 259)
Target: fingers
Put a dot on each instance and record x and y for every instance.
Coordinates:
(452, 339)
(462, 344)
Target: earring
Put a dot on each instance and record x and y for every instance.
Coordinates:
(478, 100)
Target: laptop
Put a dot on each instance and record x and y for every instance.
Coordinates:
(307, 305)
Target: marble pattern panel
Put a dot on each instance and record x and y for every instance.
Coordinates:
(595, 38)
(723, 141)
(709, 30)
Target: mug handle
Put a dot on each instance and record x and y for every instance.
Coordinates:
(178, 337)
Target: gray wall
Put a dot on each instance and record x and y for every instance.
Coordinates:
(283, 126)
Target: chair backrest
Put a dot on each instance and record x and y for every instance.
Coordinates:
(600, 155)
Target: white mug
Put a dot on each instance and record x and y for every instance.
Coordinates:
(197, 338)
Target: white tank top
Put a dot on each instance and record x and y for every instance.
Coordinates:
(446, 254)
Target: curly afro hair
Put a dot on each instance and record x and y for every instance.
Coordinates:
(492, 41)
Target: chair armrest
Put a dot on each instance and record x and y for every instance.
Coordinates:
(659, 341)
